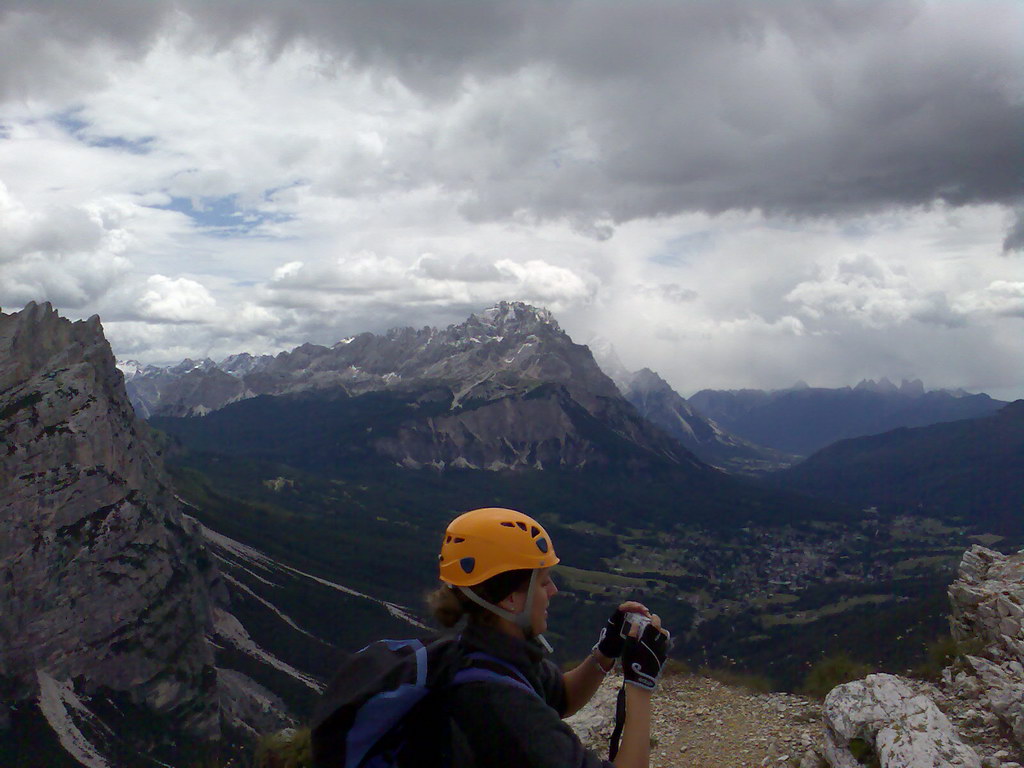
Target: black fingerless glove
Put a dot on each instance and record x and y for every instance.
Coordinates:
(644, 656)
(610, 641)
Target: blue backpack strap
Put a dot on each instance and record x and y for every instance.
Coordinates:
(505, 673)
(383, 711)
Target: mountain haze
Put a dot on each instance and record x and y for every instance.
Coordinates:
(971, 469)
(803, 419)
(655, 399)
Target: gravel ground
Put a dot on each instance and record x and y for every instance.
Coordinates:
(700, 723)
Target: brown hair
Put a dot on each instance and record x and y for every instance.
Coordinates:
(449, 605)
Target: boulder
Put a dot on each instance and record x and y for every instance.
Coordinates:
(882, 715)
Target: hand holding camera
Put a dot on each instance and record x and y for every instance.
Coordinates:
(614, 633)
(645, 649)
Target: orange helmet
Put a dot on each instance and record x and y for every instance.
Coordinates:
(485, 542)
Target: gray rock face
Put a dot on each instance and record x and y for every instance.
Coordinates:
(103, 584)
(883, 716)
(545, 428)
(511, 341)
(987, 620)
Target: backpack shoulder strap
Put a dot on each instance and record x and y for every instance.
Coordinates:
(482, 667)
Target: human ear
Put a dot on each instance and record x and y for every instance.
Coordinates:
(514, 603)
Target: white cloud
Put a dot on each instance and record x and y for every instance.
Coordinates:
(871, 292)
(55, 230)
(214, 178)
(177, 300)
(467, 269)
(546, 284)
(1001, 298)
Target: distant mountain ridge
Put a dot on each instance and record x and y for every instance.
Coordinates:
(803, 419)
(658, 402)
(510, 340)
(972, 469)
(507, 389)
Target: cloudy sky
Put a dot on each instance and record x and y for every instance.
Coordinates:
(735, 194)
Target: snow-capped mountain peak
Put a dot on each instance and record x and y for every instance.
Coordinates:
(508, 317)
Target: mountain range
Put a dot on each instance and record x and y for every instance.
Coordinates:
(513, 349)
(803, 419)
(507, 389)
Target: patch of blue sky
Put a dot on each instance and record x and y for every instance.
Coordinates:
(679, 250)
(221, 216)
(70, 120)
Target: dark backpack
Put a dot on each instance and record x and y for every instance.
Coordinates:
(386, 706)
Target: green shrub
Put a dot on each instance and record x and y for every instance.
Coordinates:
(944, 651)
(290, 748)
(832, 671)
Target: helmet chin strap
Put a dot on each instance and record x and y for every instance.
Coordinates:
(523, 619)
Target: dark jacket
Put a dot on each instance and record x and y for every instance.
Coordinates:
(502, 726)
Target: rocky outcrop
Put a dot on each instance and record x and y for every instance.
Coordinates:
(987, 622)
(883, 716)
(101, 580)
(981, 694)
(107, 591)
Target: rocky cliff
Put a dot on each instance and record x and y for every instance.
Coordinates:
(987, 621)
(106, 589)
(507, 389)
(103, 582)
(974, 716)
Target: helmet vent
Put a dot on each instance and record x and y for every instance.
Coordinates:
(542, 545)
(522, 525)
(534, 531)
(509, 525)
(468, 564)
(448, 540)
(458, 540)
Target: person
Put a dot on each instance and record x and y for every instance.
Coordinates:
(495, 568)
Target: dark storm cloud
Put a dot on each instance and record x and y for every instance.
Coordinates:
(804, 107)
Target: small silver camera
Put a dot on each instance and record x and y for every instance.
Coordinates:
(634, 619)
